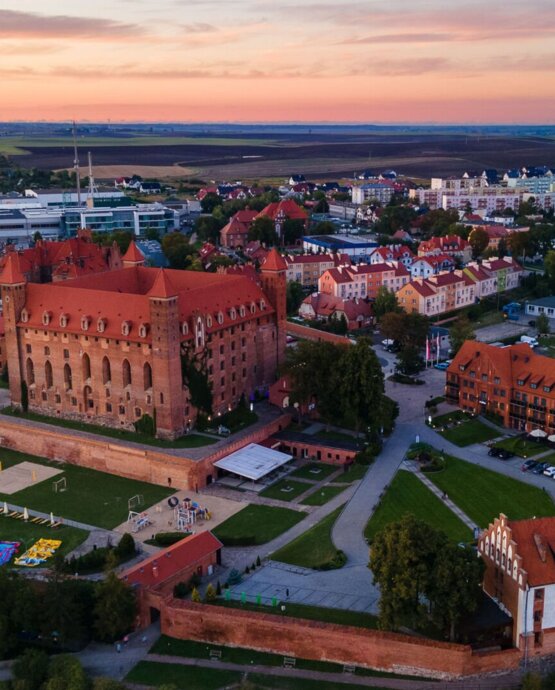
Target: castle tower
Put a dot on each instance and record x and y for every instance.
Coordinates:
(133, 256)
(274, 284)
(167, 380)
(12, 289)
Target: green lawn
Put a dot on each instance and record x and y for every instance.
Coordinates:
(336, 436)
(189, 441)
(28, 533)
(407, 494)
(322, 495)
(522, 446)
(312, 549)
(257, 524)
(449, 418)
(473, 431)
(285, 490)
(183, 677)
(92, 497)
(312, 613)
(291, 683)
(353, 474)
(482, 494)
(315, 470)
(237, 419)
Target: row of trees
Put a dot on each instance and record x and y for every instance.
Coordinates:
(346, 383)
(423, 576)
(62, 613)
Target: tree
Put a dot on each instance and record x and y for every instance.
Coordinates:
(29, 669)
(321, 206)
(37, 237)
(114, 610)
(532, 681)
(549, 267)
(406, 329)
(292, 231)
(478, 240)
(210, 594)
(209, 202)
(195, 596)
(65, 672)
(263, 231)
(324, 227)
(177, 249)
(109, 684)
(542, 324)
(207, 229)
(385, 302)
(461, 331)
(456, 586)
(294, 296)
(519, 244)
(409, 360)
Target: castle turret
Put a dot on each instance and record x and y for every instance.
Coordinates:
(167, 379)
(274, 284)
(13, 291)
(133, 256)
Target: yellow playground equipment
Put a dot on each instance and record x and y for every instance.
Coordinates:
(38, 553)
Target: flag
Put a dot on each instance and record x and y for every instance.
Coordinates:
(437, 345)
(427, 349)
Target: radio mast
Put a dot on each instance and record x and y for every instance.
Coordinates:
(76, 166)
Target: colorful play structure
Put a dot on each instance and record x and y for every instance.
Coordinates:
(7, 550)
(42, 550)
(138, 521)
(187, 513)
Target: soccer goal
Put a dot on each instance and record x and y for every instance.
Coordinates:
(135, 502)
(59, 485)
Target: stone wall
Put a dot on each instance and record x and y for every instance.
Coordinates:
(132, 461)
(327, 642)
(300, 331)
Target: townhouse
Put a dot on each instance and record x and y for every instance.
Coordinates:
(426, 266)
(393, 252)
(363, 280)
(450, 245)
(306, 269)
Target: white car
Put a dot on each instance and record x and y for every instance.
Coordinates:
(550, 472)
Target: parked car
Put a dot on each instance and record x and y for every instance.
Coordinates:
(442, 366)
(540, 467)
(505, 454)
(494, 452)
(532, 324)
(529, 465)
(550, 471)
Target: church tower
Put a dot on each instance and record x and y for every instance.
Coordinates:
(13, 291)
(274, 283)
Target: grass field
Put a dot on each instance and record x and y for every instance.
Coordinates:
(407, 494)
(522, 447)
(354, 473)
(323, 495)
(312, 549)
(92, 497)
(183, 677)
(189, 441)
(285, 490)
(28, 533)
(483, 494)
(309, 471)
(473, 431)
(257, 522)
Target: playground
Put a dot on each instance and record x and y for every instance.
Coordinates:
(25, 474)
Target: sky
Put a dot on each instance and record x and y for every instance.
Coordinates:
(433, 61)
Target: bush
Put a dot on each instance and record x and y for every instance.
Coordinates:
(364, 457)
(146, 425)
(29, 670)
(125, 548)
(195, 596)
(407, 380)
(338, 561)
(210, 594)
(98, 558)
(168, 538)
(181, 590)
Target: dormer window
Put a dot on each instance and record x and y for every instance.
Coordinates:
(143, 330)
(262, 305)
(101, 325)
(520, 382)
(184, 328)
(220, 317)
(253, 307)
(46, 317)
(242, 311)
(233, 313)
(25, 316)
(209, 321)
(547, 389)
(64, 320)
(85, 322)
(126, 327)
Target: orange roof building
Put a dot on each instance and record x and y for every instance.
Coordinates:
(112, 347)
(520, 574)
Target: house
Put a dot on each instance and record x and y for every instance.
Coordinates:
(357, 312)
(296, 179)
(205, 191)
(451, 245)
(507, 272)
(419, 296)
(402, 236)
(485, 281)
(234, 234)
(519, 556)
(393, 252)
(306, 269)
(150, 188)
(424, 267)
(280, 211)
(363, 280)
(196, 554)
(542, 305)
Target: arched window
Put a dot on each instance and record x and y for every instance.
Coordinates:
(48, 374)
(125, 327)
(143, 330)
(25, 316)
(64, 318)
(67, 377)
(147, 376)
(30, 371)
(46, 316)
(85, 323)
(126, 373)
(101, 325)
(184, 328)
(86, 366)
(106, 371)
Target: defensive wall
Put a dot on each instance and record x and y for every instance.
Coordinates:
(307, 333)
(326, 641)
(134, 461)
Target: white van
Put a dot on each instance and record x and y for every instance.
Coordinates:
(529, 340)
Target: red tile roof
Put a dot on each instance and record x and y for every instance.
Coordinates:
(162, 286)
(274, 261)
(11, 273)
(171, 561)
(535, 544)
(287, 207)
(133, 254)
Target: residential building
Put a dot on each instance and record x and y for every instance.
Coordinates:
(507, 272)
(109, 348)
(363, 280)
(512, 382)
(485, 281)
(520, 575)
(451, 245)
(306, 269)
(541, 305)
(381, 191)
(281, 211)
(235, 234)
(345, 210)
(426, 266)
(393, 252)
(418, 296)
(322, 307)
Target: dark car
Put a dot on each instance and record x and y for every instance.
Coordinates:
(494, 452)
(529, 465)
(505, 454)
(532, 324)
(540, 467)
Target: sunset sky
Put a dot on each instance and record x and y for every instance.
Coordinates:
(278, 60)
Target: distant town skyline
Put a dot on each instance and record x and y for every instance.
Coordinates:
(262, 61)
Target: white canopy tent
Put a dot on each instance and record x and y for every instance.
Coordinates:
(253, 461)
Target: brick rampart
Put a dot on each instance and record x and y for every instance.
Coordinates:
(307, 333)
(134, 462)
(327, 642)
